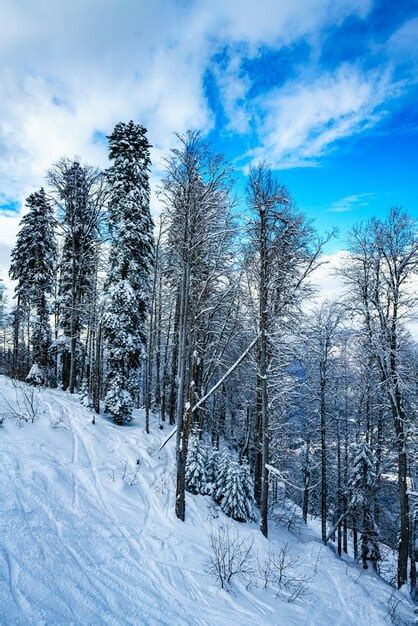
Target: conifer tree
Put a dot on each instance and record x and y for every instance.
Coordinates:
(196, 467)
(238, 499)
(362, 484)
(33, 267)
(85, 397)
(211, 467)
(79, 195)
(221, 472)
(130, 264)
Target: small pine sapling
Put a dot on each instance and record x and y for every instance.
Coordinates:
(196, 467)
(238, 499)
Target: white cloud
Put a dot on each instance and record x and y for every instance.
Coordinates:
(268, 22)
(9, 224)
(302, 120)
(351, 203)
(329, 285)
(69, 69)
(234, 86)
(403, 43)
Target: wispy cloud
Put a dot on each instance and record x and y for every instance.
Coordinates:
(72, 69)
(403, 43)
(307, 117)
(351, 203)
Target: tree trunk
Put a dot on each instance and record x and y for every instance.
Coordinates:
(258, 437)
(65, 373)
(355, 537)
(263, 376)
(324, 483)
(73, 338)
(339, 502)
(157, 318)
(16, 332)
(165, 370)
(181, 420)
(97, 370)
(174, 364)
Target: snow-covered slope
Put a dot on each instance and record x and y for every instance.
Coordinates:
(88, 536)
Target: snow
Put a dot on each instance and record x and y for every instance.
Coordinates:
(88, 535)
(35, 375)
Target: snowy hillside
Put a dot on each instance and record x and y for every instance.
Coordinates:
(89, 536)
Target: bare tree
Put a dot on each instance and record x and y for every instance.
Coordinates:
(231, 557)
(281, 255)
(379, 271)
(195, 193)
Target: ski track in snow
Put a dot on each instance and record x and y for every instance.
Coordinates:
(79, 545)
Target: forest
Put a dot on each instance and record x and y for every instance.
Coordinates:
(281, 405)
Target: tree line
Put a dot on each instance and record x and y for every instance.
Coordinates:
(203, 320)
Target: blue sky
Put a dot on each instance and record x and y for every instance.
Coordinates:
(372, 166)
(324, 90)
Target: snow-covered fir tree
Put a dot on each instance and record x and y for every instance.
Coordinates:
(84, 394)
(78, 190)
(33, 267)
(238, 499)
(362, 484)
(220, 475)
(130, 264)
(197, 480)
(211, 467)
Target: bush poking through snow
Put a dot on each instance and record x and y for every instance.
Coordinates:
(399, 610)
(287, 514)
(36, 376)
(59, 419)
(27, 404)
(278, 572)
(130, 475)
(230, 557)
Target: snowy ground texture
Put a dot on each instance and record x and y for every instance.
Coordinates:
(88, 536)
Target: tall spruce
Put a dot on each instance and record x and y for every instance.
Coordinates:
(33, 267)
(130, 264)
(79, 194)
